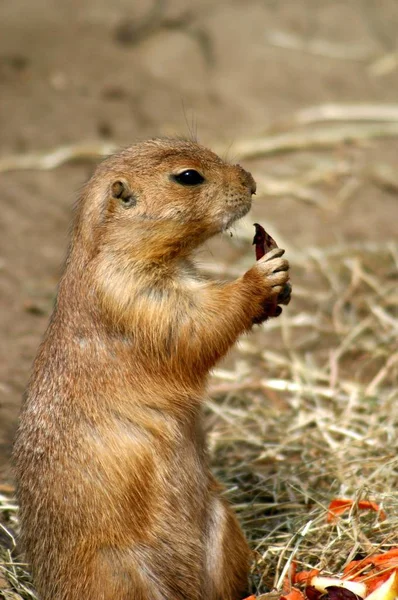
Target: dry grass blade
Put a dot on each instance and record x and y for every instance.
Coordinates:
(318, 46)
(347, 112)
(314, 139)
(45, 161)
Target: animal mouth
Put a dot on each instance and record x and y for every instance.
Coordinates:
(240, 211)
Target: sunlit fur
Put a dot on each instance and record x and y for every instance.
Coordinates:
(117, 501)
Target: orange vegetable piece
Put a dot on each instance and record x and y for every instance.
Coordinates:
(386, 560)
(387, 590)
(290, 577)
(294, 594)
(338, 506)
(305, 576)
(376, 581)
(381, 559)
(381, 566)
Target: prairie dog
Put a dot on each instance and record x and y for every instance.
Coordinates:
(116, 498)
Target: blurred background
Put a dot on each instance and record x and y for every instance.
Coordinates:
(304, 93)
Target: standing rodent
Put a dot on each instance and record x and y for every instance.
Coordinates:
(116, 498)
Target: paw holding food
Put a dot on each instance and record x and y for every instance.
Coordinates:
(266, 251)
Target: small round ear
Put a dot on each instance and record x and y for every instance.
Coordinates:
(120, 190)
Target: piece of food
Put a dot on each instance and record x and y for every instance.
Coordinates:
(263, 241)
(372, 578)
(387, 590)
(384, 560)
(312, 594)
(373, 570)
(294, 594)
(338, 506)
(337, 592)
(322, 583)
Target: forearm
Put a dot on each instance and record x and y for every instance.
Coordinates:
(224, 311)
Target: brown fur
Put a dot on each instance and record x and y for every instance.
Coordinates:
(117, 501)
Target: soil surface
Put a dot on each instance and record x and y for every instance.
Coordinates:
(87, 70)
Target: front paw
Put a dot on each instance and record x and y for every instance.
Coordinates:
(273, 272)
(269, 310)
(272, 309)
(285, 295)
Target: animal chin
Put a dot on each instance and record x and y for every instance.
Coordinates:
(239, 212)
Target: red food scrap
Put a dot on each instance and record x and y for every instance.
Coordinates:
(373, 570)
(336, 592)
(294, 594)
(338, 506)
(312, 593)
(263, 241)
(305, 576)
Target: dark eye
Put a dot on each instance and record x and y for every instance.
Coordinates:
(188, 177)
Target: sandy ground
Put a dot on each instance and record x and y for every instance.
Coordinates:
(116, 71)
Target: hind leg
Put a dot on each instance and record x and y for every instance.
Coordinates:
(227, 555)
(118, 576)
(108, 575)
